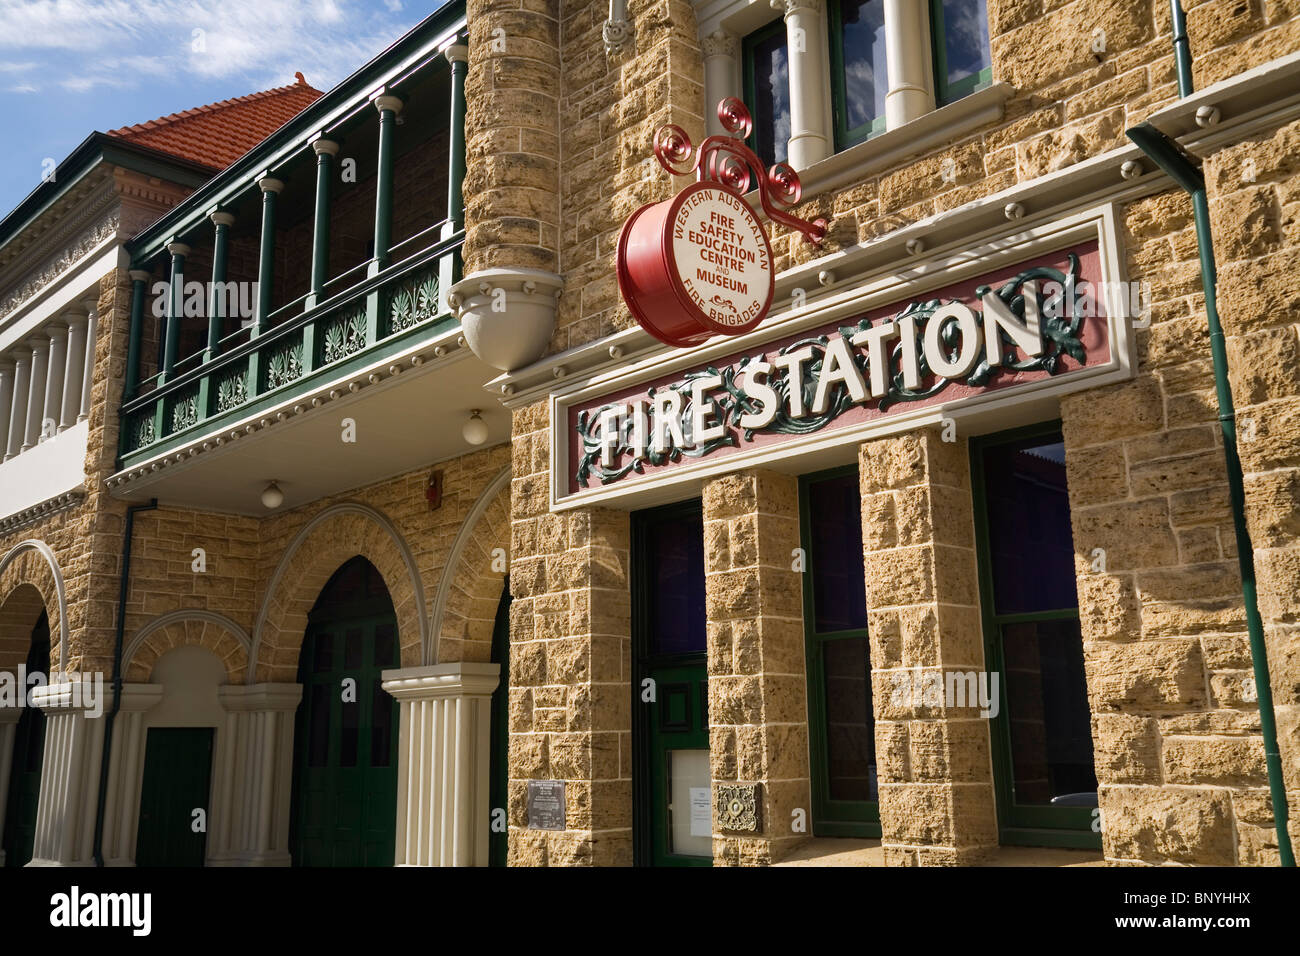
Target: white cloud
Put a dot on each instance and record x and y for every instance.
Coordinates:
(22, 88)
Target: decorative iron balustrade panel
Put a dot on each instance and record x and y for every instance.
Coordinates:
(185, 409)
(139, 430)
(343, 335)
(284, 362)
(232, 388)
(414, 301)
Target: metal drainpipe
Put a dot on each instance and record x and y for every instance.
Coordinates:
(125, 580)
(1181, 168)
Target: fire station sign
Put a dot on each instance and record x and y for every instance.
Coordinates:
(700, 264)
(1026, 326)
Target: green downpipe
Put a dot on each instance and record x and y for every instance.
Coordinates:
(1181, 168)
(111, 716)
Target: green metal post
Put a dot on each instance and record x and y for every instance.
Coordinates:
(175, 308)
(221, 221)
(389, 106)
(266, 265)
(326, 150)
(458, 56)
(139, 277)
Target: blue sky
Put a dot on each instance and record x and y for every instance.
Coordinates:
(68, 67)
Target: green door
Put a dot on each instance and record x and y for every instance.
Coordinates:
(673, 782)
(345, 746)
(177, 781)
(500, 771)
(845, 794)
(25, 768)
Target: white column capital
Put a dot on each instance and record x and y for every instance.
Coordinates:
(323, 146)
(721, 43)
(240, 698)
(789, 8)
(56, 330)
(222, 218)
(387, 101)
(269, 184)
(456, 679)
(456, 53)
(140, 275)
(178, 248)
(75, 320)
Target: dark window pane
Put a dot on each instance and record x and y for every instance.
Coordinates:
(385, 646)
(675, 578)
(965, 38)
(850, 729)
(1047, 704)
(1030, 541)
(322, 657)
(862, 40)
(771, 106)
(353, 644)
(381, 726)
(318, 722)
(349, 735)
(835, 526)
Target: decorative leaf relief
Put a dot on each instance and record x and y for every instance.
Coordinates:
(344, 336)
(232, 390)
(284, 365)
(185, 410)
(140, 430)
(413, 303)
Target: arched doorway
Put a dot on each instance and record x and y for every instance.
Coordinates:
(28, 754)
(345, 743)
(499, 777)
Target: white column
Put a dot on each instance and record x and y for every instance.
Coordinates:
(252, 789)
(88, 372)
(721, 75)
(53, 405)
(18, 411)
(74, 372)
(809, 139)
(444, 755)
(6, 409)
(9, 717)
(908, 62)
(36, 394)
(74, 741)
(126, 772)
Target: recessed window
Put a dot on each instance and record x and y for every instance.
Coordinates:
(767, 91)
(960, 33)
(859, 79)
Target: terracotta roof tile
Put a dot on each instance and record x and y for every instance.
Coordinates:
(218, 134)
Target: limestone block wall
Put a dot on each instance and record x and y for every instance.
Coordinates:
(1255, 216)
(570, 665)
(937, 802)
(758, 709)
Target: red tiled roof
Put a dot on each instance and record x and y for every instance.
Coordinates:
(218, 134)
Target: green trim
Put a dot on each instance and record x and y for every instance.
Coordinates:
(1018, 825)
(945, 92)
(456, 167)
(320, 239)
(417, 50)
(266, 261)
(216, 301)
(836, 818)
(133, 339)
(845, 137)
(775, 28)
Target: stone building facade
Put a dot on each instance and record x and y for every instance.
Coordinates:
(370, 538)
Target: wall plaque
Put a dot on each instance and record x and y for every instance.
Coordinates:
(546, 804)
(738, 808)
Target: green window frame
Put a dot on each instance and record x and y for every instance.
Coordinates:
(1018, 824)
(760, 139)
(830, 818)
(945, 92)
(844, 136)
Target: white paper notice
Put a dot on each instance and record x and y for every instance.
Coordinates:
(701, 812)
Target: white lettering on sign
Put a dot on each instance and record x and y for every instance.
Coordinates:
(721, 256)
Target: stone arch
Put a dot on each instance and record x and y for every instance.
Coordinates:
(187, 628)
(465, 607)
(31, 581)
(337, 534)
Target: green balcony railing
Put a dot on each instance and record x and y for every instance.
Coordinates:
(374, 318)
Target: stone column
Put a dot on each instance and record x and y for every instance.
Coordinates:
(937, 803)
(9, 717)
(54, 381)
(74, 741)
(175, 308)
(74, 371)
(808, 136)
(721, 75)
(88, 367)
(6, 400)
(126, 772)
(40, 347)
(908, 62)
(570, 661)
(444, 755)
(758, 710)
(253, 776)
(18, 409)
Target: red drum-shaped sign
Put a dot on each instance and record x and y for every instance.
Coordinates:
(695, 266)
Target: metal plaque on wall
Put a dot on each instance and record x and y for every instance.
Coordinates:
(738, 807)
(546, 804)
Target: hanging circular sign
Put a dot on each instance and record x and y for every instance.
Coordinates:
(696, 265)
